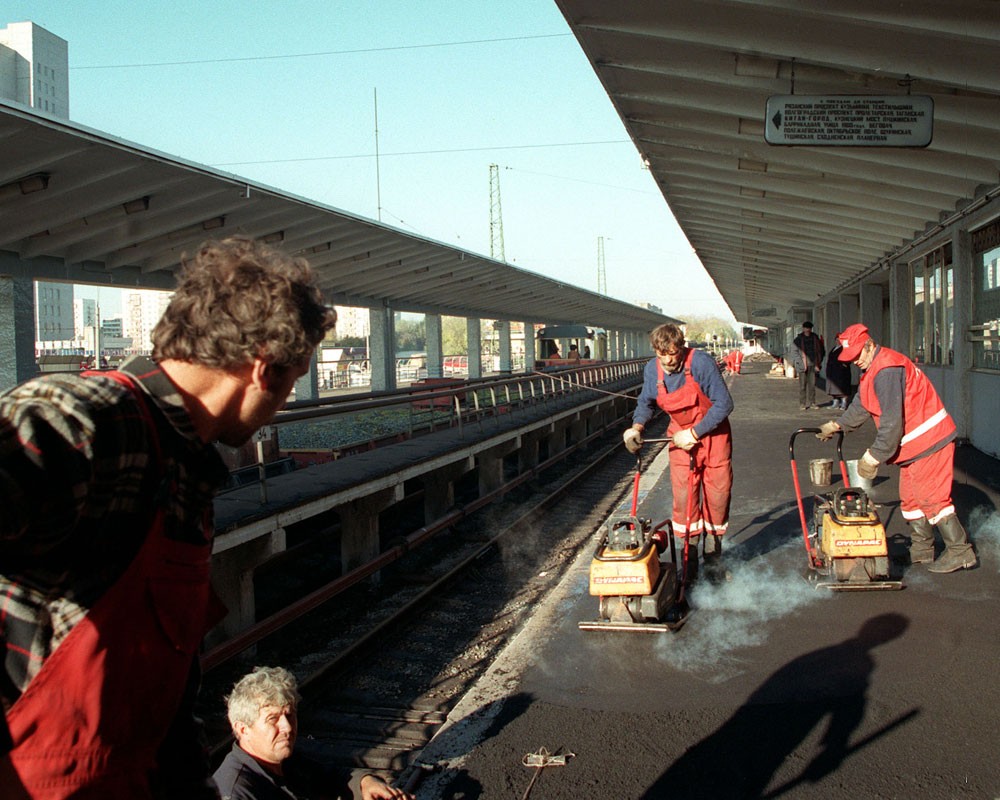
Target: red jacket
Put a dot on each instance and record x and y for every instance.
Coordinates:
(926, 423)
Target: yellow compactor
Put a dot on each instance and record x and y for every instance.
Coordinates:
(846, 544)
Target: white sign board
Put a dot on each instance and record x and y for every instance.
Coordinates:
(849, 120)
(263, 434)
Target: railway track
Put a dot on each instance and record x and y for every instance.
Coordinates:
(382, 665)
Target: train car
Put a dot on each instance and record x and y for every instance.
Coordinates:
(553, 342)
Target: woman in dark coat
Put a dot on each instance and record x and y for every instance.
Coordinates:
(838, 378)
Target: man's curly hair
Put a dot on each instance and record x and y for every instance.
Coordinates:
(265, 686)
(666, 337)
(239, 299)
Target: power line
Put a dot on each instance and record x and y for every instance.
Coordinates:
(424, 152)
(325, 53)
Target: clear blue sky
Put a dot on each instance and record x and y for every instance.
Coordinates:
(283, 94)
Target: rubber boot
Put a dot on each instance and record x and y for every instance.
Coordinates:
(714, 569)
(691, 567)
(958, 553)
(921, 541)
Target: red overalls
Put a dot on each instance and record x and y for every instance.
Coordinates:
(713, 473)
(90, 723)
(924, 482)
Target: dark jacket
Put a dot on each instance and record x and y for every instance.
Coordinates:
(241, 777)
(807, 351)
(838, 374)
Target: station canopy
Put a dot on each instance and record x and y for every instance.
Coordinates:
(80, 205)
(778, 226)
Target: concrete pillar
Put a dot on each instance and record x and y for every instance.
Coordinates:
(307, 387)
(900, 307)
(556, 439)
(850, 309)
(834, 323)
(578, 428)
(503, 334)
(475, 341)
(529, 347)
(382, 348)
(870, 302)
(439, 489)
(527, 455)
(491, 466)
(962, 269)
(359, 533)
(17, 331)
(434, 349)
(233, 577)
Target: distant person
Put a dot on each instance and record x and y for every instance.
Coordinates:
(838, 378)
(807, 357)
(263, 764)
(688, 385)
(916, 433)
(586, 351)
(106, 486)
(574, 353)
(553, 350)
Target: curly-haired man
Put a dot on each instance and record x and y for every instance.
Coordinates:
(106, 481)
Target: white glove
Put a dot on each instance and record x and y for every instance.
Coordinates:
(633, 440)
(685, 439)
(827, 430)
(867, 466)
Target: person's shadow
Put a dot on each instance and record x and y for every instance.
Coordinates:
(740, 759)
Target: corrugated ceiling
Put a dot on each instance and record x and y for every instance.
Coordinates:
(128, 214)
(779, 226)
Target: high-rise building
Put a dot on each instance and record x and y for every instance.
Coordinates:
(34, 68)
(141, 310)
(53, 313)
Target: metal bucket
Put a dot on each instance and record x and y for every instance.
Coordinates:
(853, 479)
(821, 471)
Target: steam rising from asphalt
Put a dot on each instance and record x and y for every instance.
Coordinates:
(984, 530)
(734, 614)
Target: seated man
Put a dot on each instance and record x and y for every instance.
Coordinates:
(262, 766)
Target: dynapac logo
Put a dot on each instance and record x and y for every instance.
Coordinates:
(618, 579)
(856, 542)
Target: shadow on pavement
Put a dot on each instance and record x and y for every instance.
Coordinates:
(740, 759)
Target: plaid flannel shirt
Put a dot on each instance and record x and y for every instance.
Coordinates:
(78, 484)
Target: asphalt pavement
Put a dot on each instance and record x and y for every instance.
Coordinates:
(773, 687)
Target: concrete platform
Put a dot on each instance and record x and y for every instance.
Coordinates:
(773, 688)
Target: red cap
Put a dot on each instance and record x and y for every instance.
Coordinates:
(852, 340)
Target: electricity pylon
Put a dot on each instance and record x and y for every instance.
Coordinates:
(602, 278)
(496, 216)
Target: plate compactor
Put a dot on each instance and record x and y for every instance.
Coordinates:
(846, 544)
(637, 591)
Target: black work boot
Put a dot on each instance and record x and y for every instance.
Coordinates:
(691, 565)
(958, 553)
(921, 541)
(714, 569)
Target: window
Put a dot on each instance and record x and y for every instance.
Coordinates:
(985, 328)
(931, 331)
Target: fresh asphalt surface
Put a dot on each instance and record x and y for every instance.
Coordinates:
(773, 688)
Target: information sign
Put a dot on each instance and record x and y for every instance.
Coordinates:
(849, 120)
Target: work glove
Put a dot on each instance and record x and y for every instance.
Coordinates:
(867, 466)
(685, 439)
(633, 440)
(827, 430)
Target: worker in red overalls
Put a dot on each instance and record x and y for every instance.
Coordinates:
(106, 530)
(687, 384)
(916, 433)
